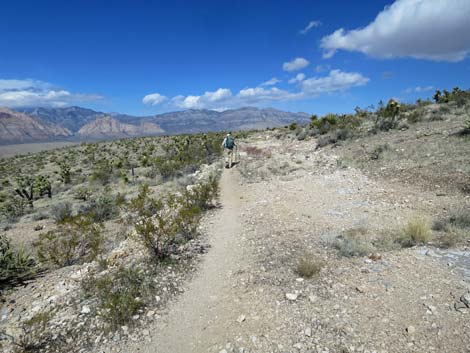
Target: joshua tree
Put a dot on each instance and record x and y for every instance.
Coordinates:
(437, 96)
(27, 187)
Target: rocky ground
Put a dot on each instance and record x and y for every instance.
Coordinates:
(289, 200)
(285, 201)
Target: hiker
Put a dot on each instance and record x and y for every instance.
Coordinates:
(229, 146)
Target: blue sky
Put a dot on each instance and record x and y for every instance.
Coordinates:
(147, 57)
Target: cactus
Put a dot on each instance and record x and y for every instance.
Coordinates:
(27, 187)
(65, 173)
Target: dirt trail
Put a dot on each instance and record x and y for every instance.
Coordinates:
(247, 297)
(198, 319)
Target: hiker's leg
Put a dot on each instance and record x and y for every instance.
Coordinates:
(230, 158)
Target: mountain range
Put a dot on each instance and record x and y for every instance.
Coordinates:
(77, 123)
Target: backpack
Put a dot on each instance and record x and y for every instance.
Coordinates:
(229, 142)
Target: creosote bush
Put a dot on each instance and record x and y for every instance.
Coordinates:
(120, 294)
(160, 222)
(76, 240)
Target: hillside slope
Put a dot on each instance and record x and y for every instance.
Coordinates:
(19, 127)
(107, 127)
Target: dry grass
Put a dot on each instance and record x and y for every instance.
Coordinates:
(417, 231)
(308, 266)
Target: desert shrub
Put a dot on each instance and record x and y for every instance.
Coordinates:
(159, 222)
(459, 219)
(120, 294)
(325, 124)
(466, 128)
(15, 266)
(82, 193)
(40, 216)
(102, 171)
(101, 208)
(293, 126)
(414, 117)
(353, 243)
(78, 239)
(378, 151)
(154, 223)
(308, 266)
(450, 238)
(61, 212)
(417, 231)
(326, 140)
(202, 195)
(13, 208)
(302, 135)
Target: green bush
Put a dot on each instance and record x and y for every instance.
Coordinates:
(78, 239)
(15, 266)
(102, 208)
(61, 212)
(120, 294)
(13, 208)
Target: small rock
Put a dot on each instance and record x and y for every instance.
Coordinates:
(292, 296)
(85, 309)
(308, 332)
(150, 313)
(361, 289)
(223, 351)
(460, 305)
(125, 329)
(411, 330)
(135, 317)
(465, 298)
(241, 318)
(146, 332)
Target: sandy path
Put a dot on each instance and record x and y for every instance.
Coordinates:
(198, 320)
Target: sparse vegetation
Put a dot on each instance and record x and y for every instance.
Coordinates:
(417, 231)
(15, 265)
(308, 266)
(76, 239)
(120, 294)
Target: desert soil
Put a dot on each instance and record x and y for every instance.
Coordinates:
(285, 200)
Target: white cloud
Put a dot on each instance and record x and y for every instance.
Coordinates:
(209, 100)
(154, 99)
(298, 78)
(322, 68)
(336, 80)
(419, 89)
(424, 29)
(273, 81)
(296, 64)
(310, 26)
(223, 99)
(21, 93)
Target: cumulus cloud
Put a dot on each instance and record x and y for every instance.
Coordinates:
(154, 99)
(336, 80)
(310, 26)
(298, 78)
(273, 81)
(223, 98)
(295, 65)
(209, 100)
(423, 29)
(23, 93)
(419, 89)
